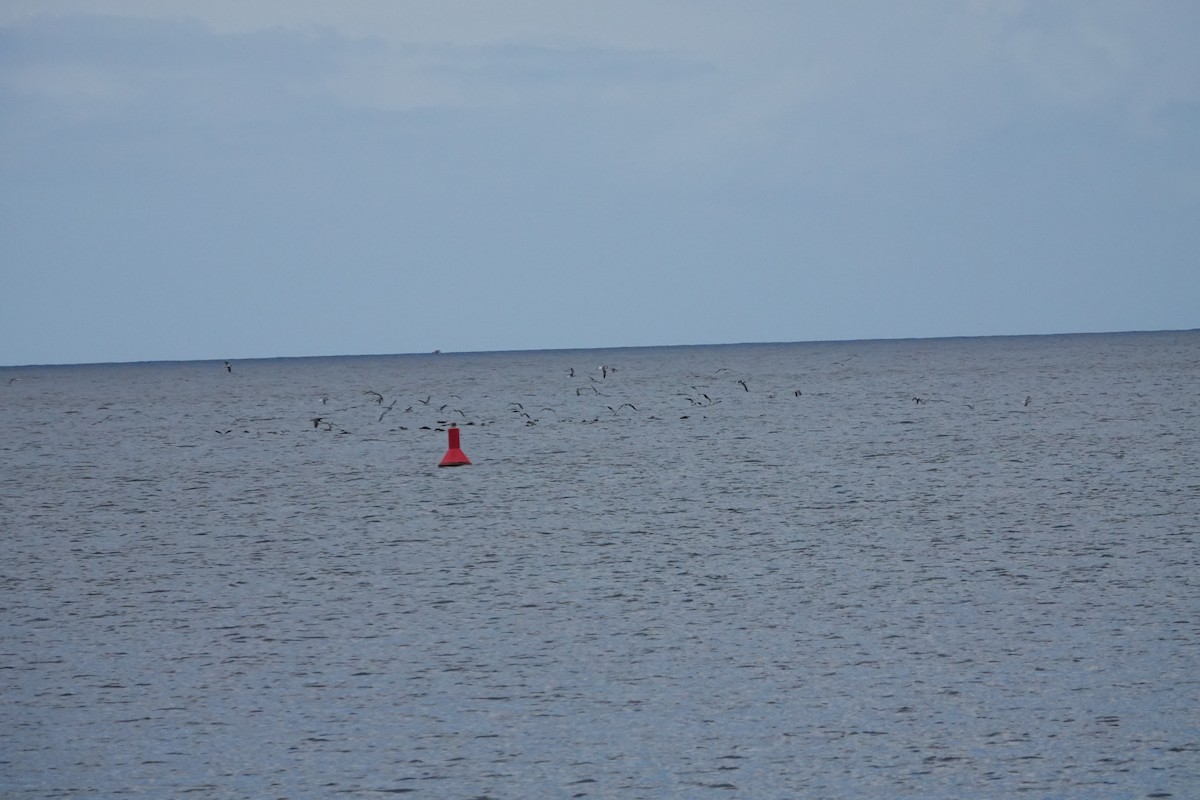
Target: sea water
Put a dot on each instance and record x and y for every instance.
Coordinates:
(928, 569)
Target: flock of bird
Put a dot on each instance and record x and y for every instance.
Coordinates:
(429, 415)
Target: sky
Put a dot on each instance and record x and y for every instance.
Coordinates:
(216, 179)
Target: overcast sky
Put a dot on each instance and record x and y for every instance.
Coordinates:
(228, 179)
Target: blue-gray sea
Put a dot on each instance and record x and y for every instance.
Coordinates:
(905, 569)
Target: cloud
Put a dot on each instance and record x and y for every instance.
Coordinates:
(793, 160)
(795, 86)
(400, 77)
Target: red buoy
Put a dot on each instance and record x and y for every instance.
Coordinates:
(454, 457)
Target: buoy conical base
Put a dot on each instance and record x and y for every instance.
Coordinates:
(454, 457)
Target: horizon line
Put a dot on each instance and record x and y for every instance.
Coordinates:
(579, 349)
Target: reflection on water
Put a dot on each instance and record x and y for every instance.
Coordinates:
(911, 569)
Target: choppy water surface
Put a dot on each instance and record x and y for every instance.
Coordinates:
(652, 582)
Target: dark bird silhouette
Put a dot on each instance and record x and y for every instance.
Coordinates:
(797, 393)
(316, 421)
(1027, 399)
(378, 397)
(386, 410)
(571, 372)
(424, 402)
(744, 386)
(228, 367)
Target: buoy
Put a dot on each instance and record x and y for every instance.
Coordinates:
(454, 457)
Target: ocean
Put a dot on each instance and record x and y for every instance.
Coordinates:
(907, 569)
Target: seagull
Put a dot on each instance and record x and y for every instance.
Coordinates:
(228, 367)
(1027, 399)
(378, 397)
(744, 386)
